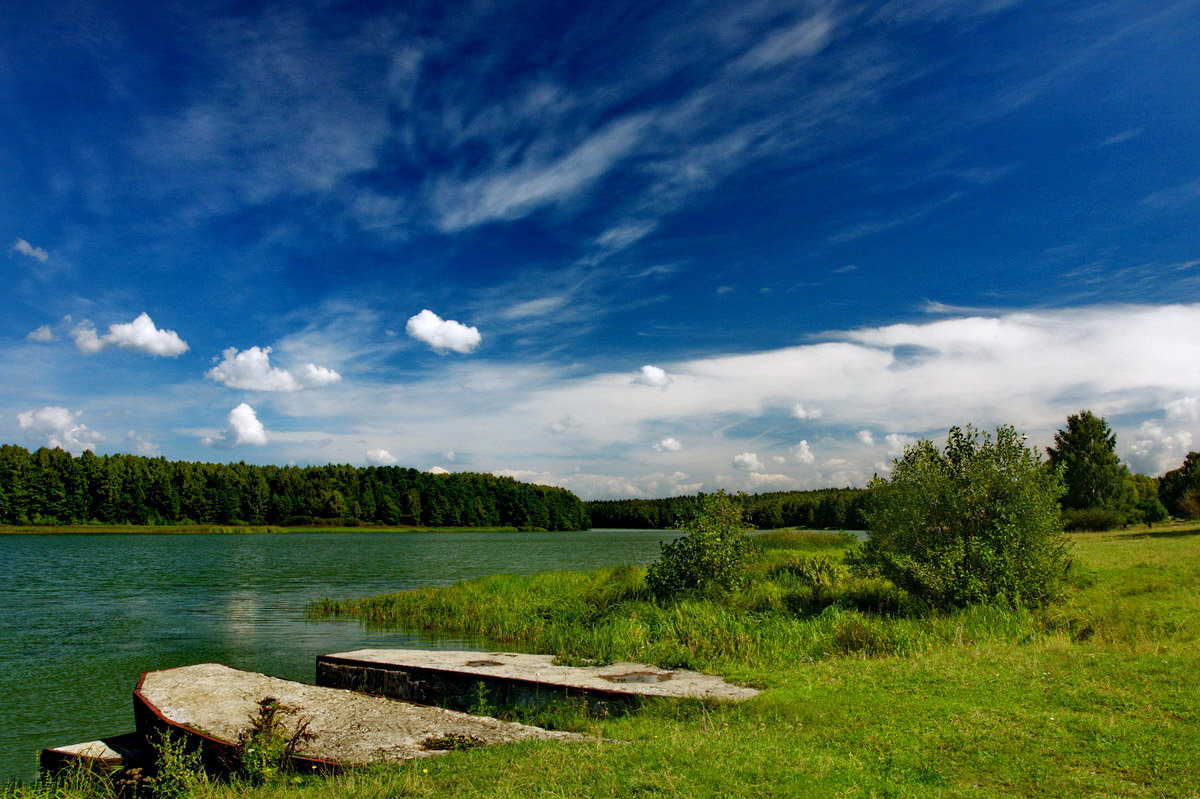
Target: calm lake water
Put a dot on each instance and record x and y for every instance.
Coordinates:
(81, 616)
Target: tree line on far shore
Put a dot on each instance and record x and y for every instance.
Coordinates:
(1100, 493)
(50, 486)
(827, 508)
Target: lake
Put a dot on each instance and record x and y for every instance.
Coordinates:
(82, 615)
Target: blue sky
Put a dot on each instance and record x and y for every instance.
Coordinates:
(632, 249)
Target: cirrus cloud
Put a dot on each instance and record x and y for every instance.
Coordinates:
(23, 247)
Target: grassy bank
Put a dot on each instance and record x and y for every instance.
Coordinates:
(1095, 696)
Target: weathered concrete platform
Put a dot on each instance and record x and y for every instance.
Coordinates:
(451, 677)
(104, 755)
(211, 705)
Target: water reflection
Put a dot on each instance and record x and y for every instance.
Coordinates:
(85, 614)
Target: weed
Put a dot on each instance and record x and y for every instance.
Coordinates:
(268, 746)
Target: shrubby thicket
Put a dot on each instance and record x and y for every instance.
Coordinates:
(977, 521)
(710, 557)
(50, 486)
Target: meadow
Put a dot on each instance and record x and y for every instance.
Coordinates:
(864, 695)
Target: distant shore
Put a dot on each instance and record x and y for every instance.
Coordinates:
(237, 529)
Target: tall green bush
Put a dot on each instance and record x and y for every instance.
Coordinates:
(978, 521)
(710, 557)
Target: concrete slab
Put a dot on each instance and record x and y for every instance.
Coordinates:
(106, 754)
(212, 704)
(451, 678)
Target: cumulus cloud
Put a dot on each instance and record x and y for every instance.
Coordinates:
(759, 479)
(1186, 409)
(242, 427)
(141, 445)
(58, 427)
(251, 370)
(381, 457)
(866, 437)
(1157, 448)
(897, 443)
(652, 376)
(313, 376)
(437, 470)
(23, 247)
(443, 334)
(801, 412)
(669, 444)
(803, 453)
(43, 334)
(747, 462)
(140, 335)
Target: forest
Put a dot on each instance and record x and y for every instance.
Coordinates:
(50, 486)
(828, 508)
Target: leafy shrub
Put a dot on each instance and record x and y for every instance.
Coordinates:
(710, 558)
(1093, 519)
(976, 522)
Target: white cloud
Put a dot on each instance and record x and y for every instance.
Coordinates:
(243, 427)
(563, 425)
(866, 437)
(897, 443)
(760, 480)
(140, 335)
(1186, 409)
(801, 412)
(313, 376)
(652, 376)
(747, 462)
(437, 470)
(25, 248)
(449, 455)
(443, 334)
(507, 193)
(803, 453)
(381, 457)
(58, 427)
(141, 445)
(251, 370)
(668, 444)
(621, 236)
(804, 39)
(534, 308)
(779, 459)
(1157, 449)
(1029, 369)
(42, 334)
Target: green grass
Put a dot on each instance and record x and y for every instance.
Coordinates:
(1096, 696)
